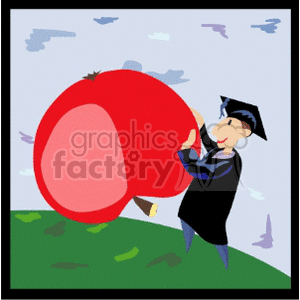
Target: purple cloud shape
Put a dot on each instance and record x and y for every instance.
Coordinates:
(217, 28)
(26, 138)
(267, 240)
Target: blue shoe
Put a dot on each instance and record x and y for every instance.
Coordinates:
(223, 252)
(188, 234)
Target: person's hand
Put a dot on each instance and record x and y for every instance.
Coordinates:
(198, 117)
(190, 141)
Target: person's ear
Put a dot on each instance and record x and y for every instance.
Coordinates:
(246, 132)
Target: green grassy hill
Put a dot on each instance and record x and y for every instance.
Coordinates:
(50, 251)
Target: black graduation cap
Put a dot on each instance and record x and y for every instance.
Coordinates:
(244, 112)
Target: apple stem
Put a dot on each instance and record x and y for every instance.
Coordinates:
(92, 76)
(147, 207)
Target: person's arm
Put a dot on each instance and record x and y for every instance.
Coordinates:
(206, 140)
(188, 158)
(190, 161)
(208, 143)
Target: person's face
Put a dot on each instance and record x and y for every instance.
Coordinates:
(229, 131)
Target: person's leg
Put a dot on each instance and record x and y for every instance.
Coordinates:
(223, 252)
(188, 233)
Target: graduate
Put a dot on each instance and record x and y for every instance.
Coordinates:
(208, 200)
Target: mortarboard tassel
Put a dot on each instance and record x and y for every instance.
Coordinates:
(222, 106)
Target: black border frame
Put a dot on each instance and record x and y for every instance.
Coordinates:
(293, 293)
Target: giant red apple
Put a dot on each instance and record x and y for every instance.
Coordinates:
(108, 138)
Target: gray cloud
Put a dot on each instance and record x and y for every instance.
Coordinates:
(132, 65)
(268, 28)
(40, 36)
(105, 20)
(170, 77)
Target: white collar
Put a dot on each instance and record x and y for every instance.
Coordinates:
(221, 155)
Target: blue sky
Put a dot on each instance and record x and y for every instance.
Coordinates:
(251, 65)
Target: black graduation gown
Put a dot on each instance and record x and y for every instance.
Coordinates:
(208, 200)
